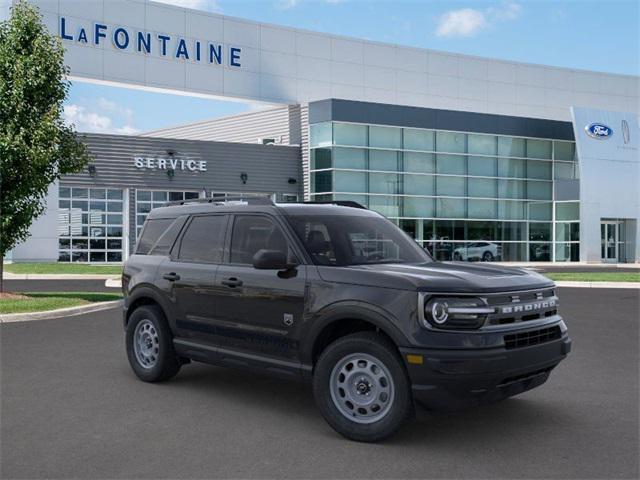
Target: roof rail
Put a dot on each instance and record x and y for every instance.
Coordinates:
(341, 203)
(249, 199)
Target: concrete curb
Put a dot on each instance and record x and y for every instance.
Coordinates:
(52, 276)
(113, 283)
(631, 285)
(60, 312)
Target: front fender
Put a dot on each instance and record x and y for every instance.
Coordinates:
(355, 310)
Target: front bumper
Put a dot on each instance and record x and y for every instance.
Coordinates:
(452, 379)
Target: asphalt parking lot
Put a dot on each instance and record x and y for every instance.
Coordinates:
(70, 407)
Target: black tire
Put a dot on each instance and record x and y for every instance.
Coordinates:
(167, 363)
(487, 257)
(379, 347)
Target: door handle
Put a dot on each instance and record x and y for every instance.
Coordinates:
(232, 282)
(172, 277)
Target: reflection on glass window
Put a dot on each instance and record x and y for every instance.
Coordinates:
(415, 139)
(567, 211)
(85, 224)
(473, 178)
(385, 137)
(146, 200)
(483, 144)
(451, 142)
(349, 134)
(321, 134)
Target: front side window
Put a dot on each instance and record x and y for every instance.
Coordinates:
(340, 240)
(203, 240)
(252, 233)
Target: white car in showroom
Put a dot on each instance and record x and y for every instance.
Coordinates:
(478, 251)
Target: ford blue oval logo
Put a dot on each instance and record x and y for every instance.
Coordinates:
(599, 131)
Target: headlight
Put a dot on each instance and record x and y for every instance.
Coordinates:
(455, 313)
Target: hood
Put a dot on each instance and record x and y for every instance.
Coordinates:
(438, 277)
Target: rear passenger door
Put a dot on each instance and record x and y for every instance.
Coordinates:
(259, 310)
(188, 276)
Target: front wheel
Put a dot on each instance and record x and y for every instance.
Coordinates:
(361, 387)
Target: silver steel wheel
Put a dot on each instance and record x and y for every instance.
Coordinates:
(362, 388)
(146, 344)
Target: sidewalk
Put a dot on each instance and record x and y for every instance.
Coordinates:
(58, 276)
(568, 284)
(569, 265)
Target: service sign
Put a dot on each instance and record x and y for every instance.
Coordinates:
(171, 163)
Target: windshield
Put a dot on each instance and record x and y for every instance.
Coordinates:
(340, 240)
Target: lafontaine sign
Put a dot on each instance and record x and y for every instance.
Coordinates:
(162, 45)
(171, 163)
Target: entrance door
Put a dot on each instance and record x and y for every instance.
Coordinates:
(609, 241)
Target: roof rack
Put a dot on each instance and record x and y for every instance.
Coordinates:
(250, 199)
(341, 203)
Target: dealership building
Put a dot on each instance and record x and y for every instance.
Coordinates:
(476, 158)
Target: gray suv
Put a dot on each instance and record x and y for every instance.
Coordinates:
(340, 297)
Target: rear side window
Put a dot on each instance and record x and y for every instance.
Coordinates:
(168, 238)
(152, 231)
(203, 240)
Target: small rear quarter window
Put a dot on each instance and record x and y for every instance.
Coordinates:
(151, 233)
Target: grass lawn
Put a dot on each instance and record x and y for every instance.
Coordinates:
(52, 268)
(42, 301)
(594, 276)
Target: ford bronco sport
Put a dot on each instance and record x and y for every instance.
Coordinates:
(338, 296)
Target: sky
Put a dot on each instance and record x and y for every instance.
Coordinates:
(600, 35)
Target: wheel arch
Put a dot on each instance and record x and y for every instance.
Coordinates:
(146, 295)
(344, 319)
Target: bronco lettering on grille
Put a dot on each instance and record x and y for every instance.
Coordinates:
(528, 307)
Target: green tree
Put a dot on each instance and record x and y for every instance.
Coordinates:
(36, 147)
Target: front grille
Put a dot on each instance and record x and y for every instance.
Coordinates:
(524, 306)
(533, 337)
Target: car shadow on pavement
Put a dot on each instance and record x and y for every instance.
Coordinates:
(512, 418)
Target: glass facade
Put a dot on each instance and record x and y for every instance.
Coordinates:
(146, 200)
(90, 224)
(462, 196)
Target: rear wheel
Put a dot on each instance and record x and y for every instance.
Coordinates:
(361, 387)
(487, 257)
(150, 345)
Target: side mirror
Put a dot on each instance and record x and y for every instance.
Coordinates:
(270, 260)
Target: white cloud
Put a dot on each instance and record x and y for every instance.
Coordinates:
(110, 106)
(467, 22)
(208, 5)
(86, 120)
(286, 4)
(508, 11)
(461, 23)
